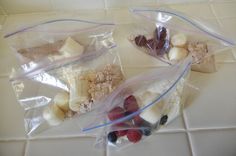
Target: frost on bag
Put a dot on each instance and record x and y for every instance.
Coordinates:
(140, 106)
(69, 87)
(45, 42)
(171, 36)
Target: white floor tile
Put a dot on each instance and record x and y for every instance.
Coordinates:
(225, 57)
(224, 10)
(214, 143)
(11, 114)
(193, 9)
(7, 59)
(113, 4)
(62, 147)
(213, 105)
(120, 16)
(160, 144)
(69, 128)
(76, 5)
(228, 26)
(12, 148)
(175, 125)
(22, 6)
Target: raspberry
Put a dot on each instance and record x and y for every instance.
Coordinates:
(116, 113)
(134, 135)
(130, 104)
(140, 40)
(120, 124)
(160, 33)
(121, 133)
(137, 120)
(151, 44)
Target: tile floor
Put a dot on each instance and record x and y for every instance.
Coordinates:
(206, 128)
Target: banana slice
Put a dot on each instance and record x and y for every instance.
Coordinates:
(153, 113)
(53, 115)
(78, 93)
(62, 101)
(176, 54)
(179, 40)
(71, 48)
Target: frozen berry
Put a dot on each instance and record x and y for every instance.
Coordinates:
(121, 133)
(137, 120)
(127, 113)
(121, 124)
(160, 33)
(112, 137)
(134, 135)
(163, 119)
(130, 104)
(116, 113)
(160, 44)
(140, 40)
(146, 131)
(151, 44)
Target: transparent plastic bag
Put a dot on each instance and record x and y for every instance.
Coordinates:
(171, 36)
(67, 88)
(141, 105)
(56, 39)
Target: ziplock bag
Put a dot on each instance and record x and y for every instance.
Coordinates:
(73, 86)
(171, 36)
(139, 106)
(57, 39)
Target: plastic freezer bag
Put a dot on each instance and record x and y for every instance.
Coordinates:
(139, 106)
(171, 36)
(72, 87)
(57, 39)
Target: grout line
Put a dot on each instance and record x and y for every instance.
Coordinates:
(188, 134)
(94, 136)
(26, 148)
(169, 132)
(215, 14)
(190, 143)
(212, 129)
(12, 139)
(3, 10)
(106, 148)
(4, 75)
(105, 5)
(61, 137)
(52, 5)
(234, 53)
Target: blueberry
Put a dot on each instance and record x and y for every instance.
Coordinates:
(146, 131)
(163, 119)
(112, 137)
(127, 113)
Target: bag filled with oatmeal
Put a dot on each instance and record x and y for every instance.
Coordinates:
(57, 39)
(170, 36)
(140, 106)
(66, 88)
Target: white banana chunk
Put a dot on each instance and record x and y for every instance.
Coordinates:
(179, 40)
(177, 54)
(71, 48)
(62, 101)
(153, 113)
(53, 115)
(78, 93)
